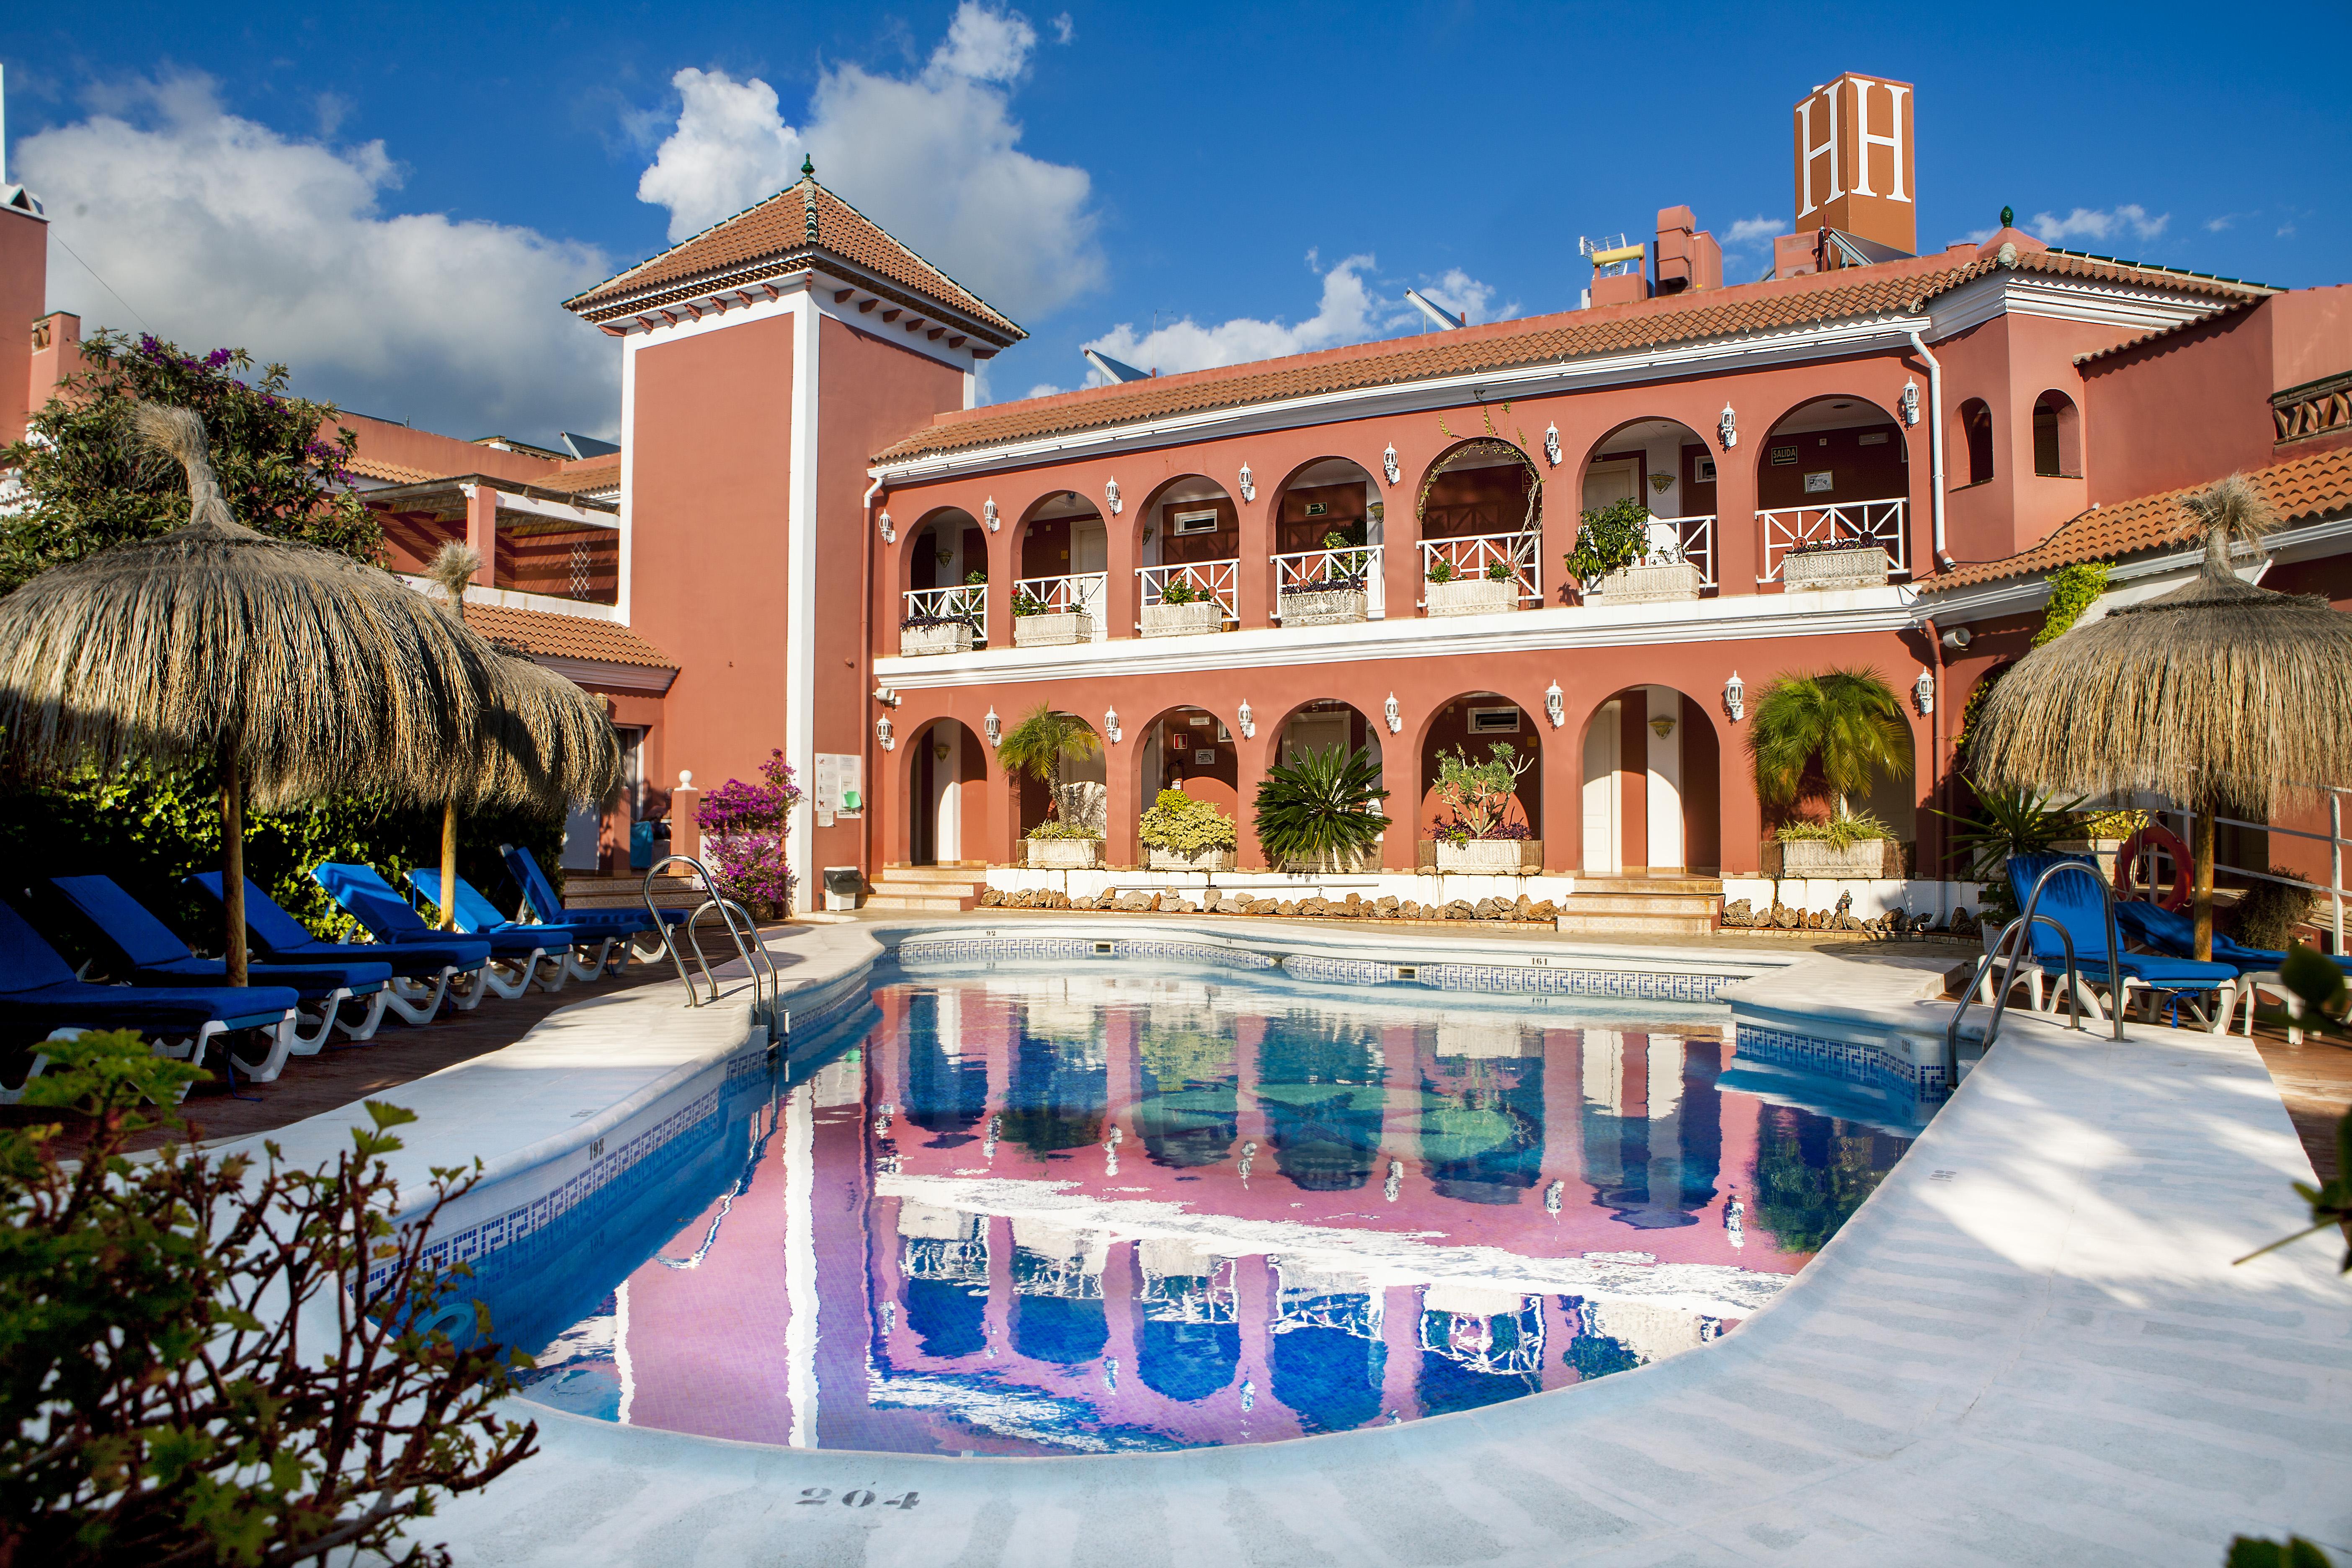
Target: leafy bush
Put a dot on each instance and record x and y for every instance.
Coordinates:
(1026, 604)
(2111, 824)
(1184, 826)
(1042, 745)
(1839, 832)
(2008, 822)
(922, 623)
(169, 1399)
(1440, 571)
(1322, 807)
(1479, 795)
(744, 826)
(2072, 590)
(1053, 827)
(1610, 539)
(1180, 591)
(1498, 572)
(1827, 734)
(2266, 917)
(975, 578)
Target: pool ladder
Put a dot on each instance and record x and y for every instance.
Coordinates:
(2013, 939)
(739, 926)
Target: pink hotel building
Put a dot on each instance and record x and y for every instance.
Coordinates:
(811, 539)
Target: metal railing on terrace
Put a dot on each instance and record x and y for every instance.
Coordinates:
(1472, 557)
(1207, 579)
(967, 602)
(1885, 523)
(1326, 571)
(1695, 536)
(1082, 594)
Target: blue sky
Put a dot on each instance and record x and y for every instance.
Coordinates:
(393, 199)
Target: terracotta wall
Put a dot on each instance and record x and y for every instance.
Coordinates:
(438, 455)
(24, 288)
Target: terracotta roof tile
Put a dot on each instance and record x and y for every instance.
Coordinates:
(803, 220)
(552, 636)
(391, 473)
(2130, 343)
(1890, 288)
(586, 478)
(2298, 490)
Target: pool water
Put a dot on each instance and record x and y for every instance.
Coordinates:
(1035, 1213)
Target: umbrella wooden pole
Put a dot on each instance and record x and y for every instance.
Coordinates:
(232, 870)
(2201, 856)
(450, 866)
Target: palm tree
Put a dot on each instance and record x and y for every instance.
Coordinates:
(1848, 724)
(1042, 746)
(1321, 808)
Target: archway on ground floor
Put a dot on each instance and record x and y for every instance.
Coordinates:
(1193, 750)
(1669, 470)
(946, 795)
(1060, 560)
(1328, 527)
(1833, 469)
(1649, 785)
(1893, 798)
(1083, 792)
(1478, 725)
(1323, 724)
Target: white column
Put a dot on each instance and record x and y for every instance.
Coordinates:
(799, 596)
(1604, 847)
(799, 1262)
(1666, 770)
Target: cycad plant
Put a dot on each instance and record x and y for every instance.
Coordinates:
(1042, 744)
(1322, 807)
(1845, 725)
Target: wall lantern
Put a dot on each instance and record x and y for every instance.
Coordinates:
(1728, 425)
(1248, 724)
(1551, 444)
(994, 727)
(1393, 714)
(1923, 691)
(1388, 464)
(1910, 403)
(887, 732)
(1249, 484)
(1110, 724)
(889, 533)
(988, 513)
(1735, 697)
(1110, 494)
(1555, 705)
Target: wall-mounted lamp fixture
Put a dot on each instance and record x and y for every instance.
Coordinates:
(994, 727)
(1110, 725)
(1388, 464)
(1727, 426)
(889, 533)
(1249, 483)
(1248, 724)
(1551, 444)
(1735, 697)
(1555, 705)
(1910, 403)
(1110, 494)
(988, 513)
(1923, 691)
(887, 732)
(1393, 714)
(1663, 724)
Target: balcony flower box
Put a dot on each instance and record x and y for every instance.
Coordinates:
(1492, 856)
(948, 637)
(1175, 860)
(1324, 606)
(1847, 566)
(1865, 859)
(1055, 629)
(1474, 597)
(1065, 853)
(1647, 584)
(1183, 620)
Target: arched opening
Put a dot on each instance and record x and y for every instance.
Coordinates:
(1481, 515)
(2057, 437)
(1976, 430)
(1328, 528)
(947, 798)
(1078, 793)
(1321, 726)
(1190, 1345)
(1061, 595)
(1650, 790)
(1189, 545)
(945, 562)
(1481, 727)
(1668, 469)
(1834, 477)
(1193, 750)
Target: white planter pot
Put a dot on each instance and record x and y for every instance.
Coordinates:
(1323, 607)
(1330, 866)
(1646, 585)
(1065, 854)
(1057, 630)
(1492, 856)
(1206, 860)
(916, 641)
(1864, 566)
(1864, 858)
(1473, 596)
(1183, 620)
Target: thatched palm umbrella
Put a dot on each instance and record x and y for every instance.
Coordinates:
(289, 670)
(2218, 695)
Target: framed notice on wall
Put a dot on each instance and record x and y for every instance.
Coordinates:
(840, 784)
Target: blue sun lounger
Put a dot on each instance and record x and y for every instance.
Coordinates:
(539, 894)
(477, 916)
(2175, 932)
(39, 993)
(423, 973)
(2071, 901)
(153, 955)
(367, 899)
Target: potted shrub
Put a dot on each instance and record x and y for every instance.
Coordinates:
(1322, 812)
(1042, 746)
(1451, 594)
(1835, 563)
(1060, 846)
(1338, 598)
(1617, 562)
(1034, 625)
(1183, 610)
(1828, 735)
(1181, 834)
(1476, 837)
(922, 635)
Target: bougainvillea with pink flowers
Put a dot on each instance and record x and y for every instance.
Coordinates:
(743, 830)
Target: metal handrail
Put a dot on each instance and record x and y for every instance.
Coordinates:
(728, 911)
(2011, 938)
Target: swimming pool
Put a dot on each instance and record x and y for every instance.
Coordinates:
(1031, 1211)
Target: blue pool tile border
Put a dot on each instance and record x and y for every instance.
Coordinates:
(1855, 1061)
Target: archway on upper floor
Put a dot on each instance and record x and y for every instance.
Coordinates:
(946, 796)
(1669, 470)
(1480, 508)
(1328, 527)
(2057, 437)
(1834, 470)
(1976, 435)
(1649, 794)
(1477, 726)
(1082, 791)
(1061, 558)
(941, 552)
(1188, 537)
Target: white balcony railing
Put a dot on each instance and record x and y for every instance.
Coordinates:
(1086, 593)
(1207, 579)
(1695, 538)
(1885, 523)
(1475, 555)
(964, 603)
(1321, 571)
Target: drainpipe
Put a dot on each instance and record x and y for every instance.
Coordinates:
(870, 819)
(1934, 443)
(1943, 781)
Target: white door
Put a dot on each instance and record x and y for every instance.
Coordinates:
(1608, 483)
(1089, 558)
(1311, 732)
(947, 799)
(1602, 841)
(1665, 779)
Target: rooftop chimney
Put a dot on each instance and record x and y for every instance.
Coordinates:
(1688, 256)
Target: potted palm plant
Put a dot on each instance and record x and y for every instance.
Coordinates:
(1478, 837)
(1042, 746)
(1320, 813)
(1828, 735)
(1181, 834)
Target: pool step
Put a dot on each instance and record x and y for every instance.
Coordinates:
(1642, 906)
(929, 889)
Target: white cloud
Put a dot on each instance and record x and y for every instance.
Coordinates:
(2087, 223)
(1466, 296)
(934, 158)
(1063, 28)
(1755, 230)
(218, 231)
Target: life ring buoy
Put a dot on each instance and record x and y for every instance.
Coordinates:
(2154, 837)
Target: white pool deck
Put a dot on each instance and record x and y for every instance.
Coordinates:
(2028, 1346)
